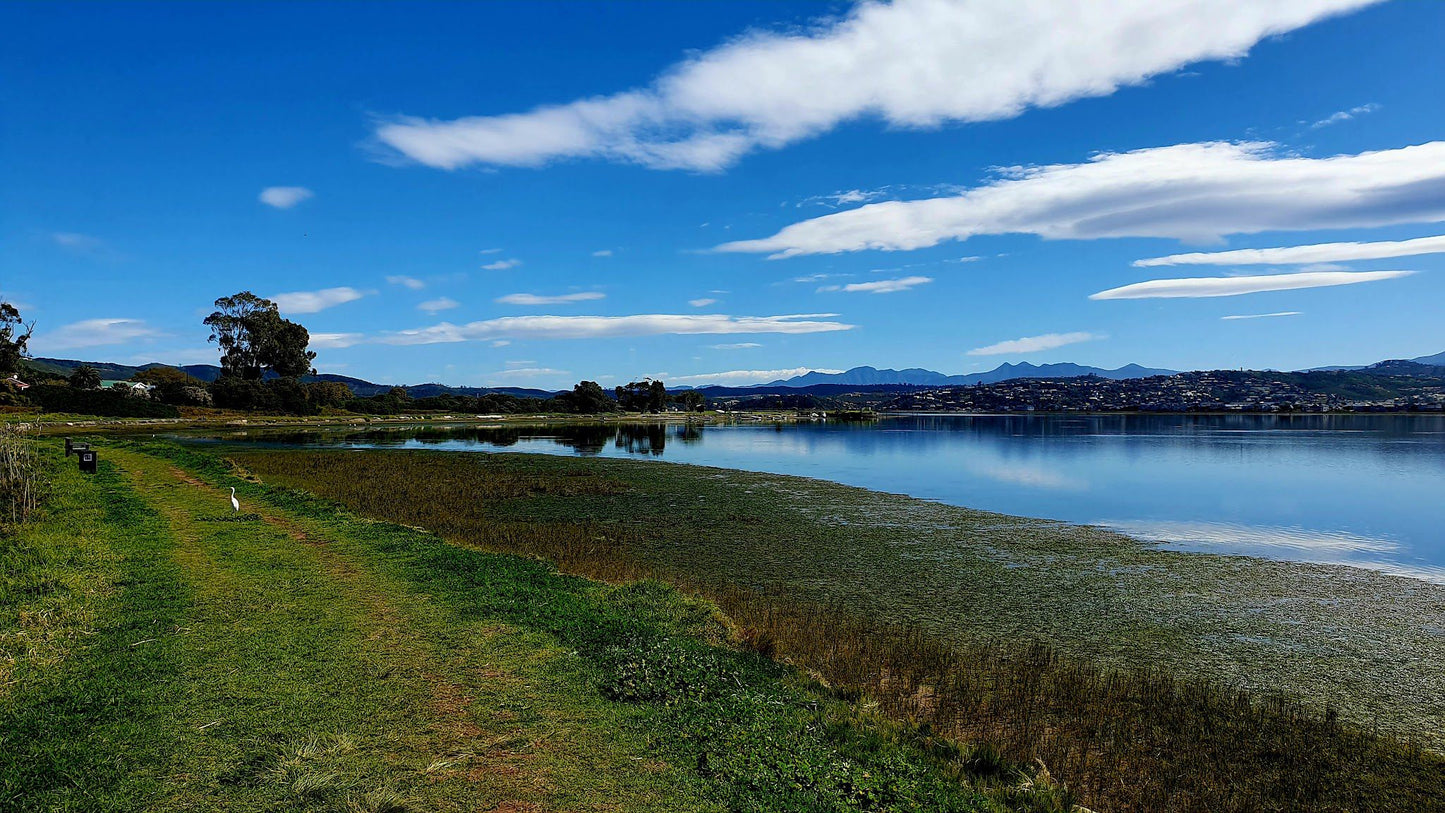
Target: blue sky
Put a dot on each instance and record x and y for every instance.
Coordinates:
(729, 190)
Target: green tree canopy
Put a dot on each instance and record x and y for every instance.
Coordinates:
(85, 377)
(14, 335)
(254, 339)
(642, 396)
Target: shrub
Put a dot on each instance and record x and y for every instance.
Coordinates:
(110, 403)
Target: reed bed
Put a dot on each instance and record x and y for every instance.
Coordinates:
(20, 475)
(1122, 740)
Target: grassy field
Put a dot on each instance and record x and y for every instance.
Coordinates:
(158, 652)
(1148, 680)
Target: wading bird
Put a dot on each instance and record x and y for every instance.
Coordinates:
(235, 503)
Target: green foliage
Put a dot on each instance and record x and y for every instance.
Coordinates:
(277, 396)
(85, 377)
(642, 396)
(586, 398)
(14, 336)
(111, 403)
(254, 339)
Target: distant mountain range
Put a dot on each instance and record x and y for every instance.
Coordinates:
(862, 378)
(917, 377)
(1437, 360)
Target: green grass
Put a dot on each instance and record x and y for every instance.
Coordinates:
(1145, 679)
(164, 653)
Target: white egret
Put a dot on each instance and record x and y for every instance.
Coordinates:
(235, 503)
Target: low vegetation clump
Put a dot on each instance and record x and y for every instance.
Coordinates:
(1123, 739)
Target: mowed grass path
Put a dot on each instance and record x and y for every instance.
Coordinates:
(254, 662)
(158, 652)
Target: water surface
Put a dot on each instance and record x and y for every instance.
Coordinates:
(1366, 490)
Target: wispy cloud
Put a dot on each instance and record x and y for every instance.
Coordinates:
(701, 303)
(284, 197)
(910, 63)
(1234, 286)
(502, 265)
(1261, 315)
(406, 282)
(734, 346)
(602, 252)
(330, 341)
(1316, 253)
(1034, 344)
(881, 286)
(737, 377)
(1197, 192)
(313, 301)
(94, 333)
(847, 197)
(560, 299)
(441, 303)
(594, 327)
(1345, 115)
(491, 251)
(528, 372)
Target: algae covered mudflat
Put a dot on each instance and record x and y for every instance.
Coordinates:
(1360, 641)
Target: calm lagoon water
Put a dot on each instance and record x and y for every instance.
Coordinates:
(1365, 490)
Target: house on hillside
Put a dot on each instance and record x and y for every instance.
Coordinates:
(14, 383)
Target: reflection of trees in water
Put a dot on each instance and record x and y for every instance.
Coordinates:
(648, 438)
(690, 433)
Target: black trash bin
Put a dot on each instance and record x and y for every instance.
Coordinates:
(88, 459)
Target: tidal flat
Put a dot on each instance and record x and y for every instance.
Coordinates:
(1366, 644)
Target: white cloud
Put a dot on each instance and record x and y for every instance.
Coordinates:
(328, 341)
(911, 63)
(701, 303)
(407, 282)
(313, 301)
(1345, 115)
(1034, 344)
(882, 286)
(1234, 286)
(93, 333)
(592, 327)
(500, 343)
(284, 197)
(737, 377)
(735, 346)
(560, 299)
(844, 198)
(491, 251)
(1197, 192)
(528, 372)
(603, 252)
(502, 265)
(441, 303)
(1261, 315)
(1316, 253)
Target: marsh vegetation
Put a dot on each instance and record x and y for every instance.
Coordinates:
(1034, 642)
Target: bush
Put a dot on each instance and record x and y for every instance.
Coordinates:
(277, 396)
(110, 403)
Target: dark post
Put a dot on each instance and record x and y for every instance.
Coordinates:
(68, 447)
(87, 461)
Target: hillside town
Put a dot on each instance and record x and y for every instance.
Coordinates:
(1208, 391)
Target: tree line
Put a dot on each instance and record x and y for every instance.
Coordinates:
(264, 358)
